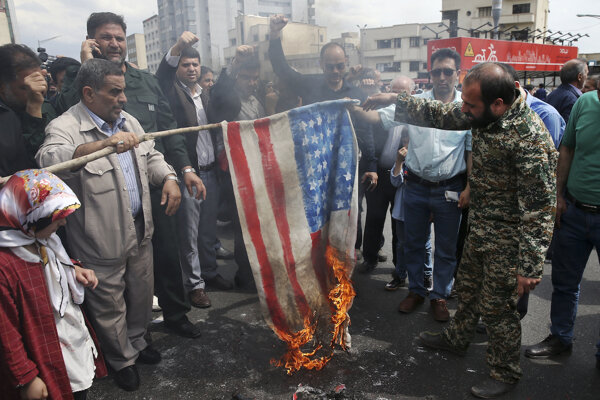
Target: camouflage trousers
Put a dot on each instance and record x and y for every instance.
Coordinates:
(487, 286)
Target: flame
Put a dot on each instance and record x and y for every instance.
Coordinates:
(341, 297)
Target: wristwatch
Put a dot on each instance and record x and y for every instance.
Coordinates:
(186, 170)
(171, 177)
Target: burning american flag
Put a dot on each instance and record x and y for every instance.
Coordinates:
(294, 177)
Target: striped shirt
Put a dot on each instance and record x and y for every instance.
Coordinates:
(125, 160)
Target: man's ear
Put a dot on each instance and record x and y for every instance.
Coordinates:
(88, 94)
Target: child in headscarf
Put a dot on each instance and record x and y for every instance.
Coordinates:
(46, 349)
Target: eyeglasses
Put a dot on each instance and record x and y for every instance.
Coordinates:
(437, 72)
(332, 67)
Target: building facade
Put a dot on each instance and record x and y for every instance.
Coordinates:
(136, 50)
(519, 19)
(152, 39)
(211, 21)
(399, 49)
(8, 23)
(301, 43)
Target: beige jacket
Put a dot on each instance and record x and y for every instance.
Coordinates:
(102, 231)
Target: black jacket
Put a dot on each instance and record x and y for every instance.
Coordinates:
(183, 108)
(314, 89)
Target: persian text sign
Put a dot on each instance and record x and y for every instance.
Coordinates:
(522, 56)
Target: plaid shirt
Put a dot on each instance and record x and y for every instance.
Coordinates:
(29, 345)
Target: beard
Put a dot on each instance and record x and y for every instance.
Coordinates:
(484, 120)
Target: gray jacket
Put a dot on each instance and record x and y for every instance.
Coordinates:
(102, 232)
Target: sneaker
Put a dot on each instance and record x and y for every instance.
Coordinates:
(395, 284)
(428, 282)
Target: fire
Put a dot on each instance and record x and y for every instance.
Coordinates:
(341, 297)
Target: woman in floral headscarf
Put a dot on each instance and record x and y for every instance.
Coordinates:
(46, 349)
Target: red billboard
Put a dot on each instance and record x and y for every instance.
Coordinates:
(522, 56)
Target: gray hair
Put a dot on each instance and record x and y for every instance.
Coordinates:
(572, 69)
(93, 72)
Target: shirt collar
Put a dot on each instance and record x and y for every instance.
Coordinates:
(188, 91)
(577, 90)
(528, 98)
(103, 125)
(429, 95)
(515, 109)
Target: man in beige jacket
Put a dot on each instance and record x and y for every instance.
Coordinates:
(112, 233)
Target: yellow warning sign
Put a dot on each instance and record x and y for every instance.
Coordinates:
(469, 51)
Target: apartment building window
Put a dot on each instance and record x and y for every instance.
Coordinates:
(233, 42)
(521, 8)
(415, 41)
(425, 66)
(425, 41)
(384, 44)
(389, 66)
(414, 66)
(484, 12)
(397, 42)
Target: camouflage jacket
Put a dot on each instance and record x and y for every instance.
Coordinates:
(513, 180)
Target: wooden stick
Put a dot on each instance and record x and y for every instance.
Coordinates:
(81, 161)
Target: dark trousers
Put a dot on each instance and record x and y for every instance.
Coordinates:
(168, 284)
(378, 202)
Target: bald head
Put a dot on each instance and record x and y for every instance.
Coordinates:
(495, 81)
(403, 84)
(574, 72)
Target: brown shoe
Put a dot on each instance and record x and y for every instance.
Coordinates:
(199, 298)
(410, 303)
(440, 310)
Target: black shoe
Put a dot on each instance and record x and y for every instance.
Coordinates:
(184, 328)
(218, 282)
(224, 254)
(436, 341)
(428, 282)
(395, 284)
(246, 285)
(551, 346)
(149, 356)
(127, 378)
(491, 388)
(598, 363)
(367, 267)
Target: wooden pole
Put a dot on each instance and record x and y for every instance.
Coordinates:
(81, 161)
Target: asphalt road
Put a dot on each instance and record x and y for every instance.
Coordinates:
(233, 355)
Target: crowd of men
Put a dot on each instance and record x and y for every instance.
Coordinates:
(481, 165)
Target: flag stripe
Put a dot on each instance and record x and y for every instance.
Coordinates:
(247, 196)
(276, 191)
(318, 262)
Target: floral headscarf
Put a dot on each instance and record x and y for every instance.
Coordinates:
(30, 201)
(33, 197)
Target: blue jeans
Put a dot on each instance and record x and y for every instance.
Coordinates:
(573, 243)
(400, 265)
(420, 201)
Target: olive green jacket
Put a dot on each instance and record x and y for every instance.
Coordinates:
(146, 102)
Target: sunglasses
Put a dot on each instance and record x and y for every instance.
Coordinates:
(332, 67)
(437, 72)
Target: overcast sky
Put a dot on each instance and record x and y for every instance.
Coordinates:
(44, 19)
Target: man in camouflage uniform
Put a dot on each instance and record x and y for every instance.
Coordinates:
(513, 196)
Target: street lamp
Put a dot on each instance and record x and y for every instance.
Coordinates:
(589, 15)
(42, 51)
(362, 42)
